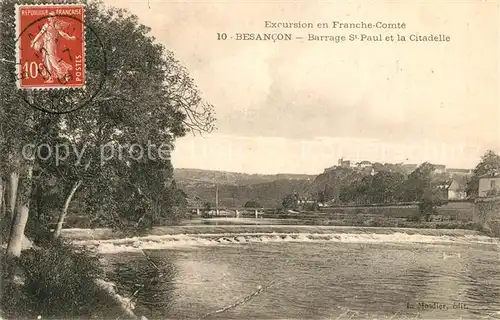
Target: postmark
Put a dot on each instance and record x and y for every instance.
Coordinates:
(50, 50)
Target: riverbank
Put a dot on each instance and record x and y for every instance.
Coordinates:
(59, 280)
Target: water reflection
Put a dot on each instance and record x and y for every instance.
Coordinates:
(149, 282)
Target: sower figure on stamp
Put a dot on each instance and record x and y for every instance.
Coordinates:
(46, 42)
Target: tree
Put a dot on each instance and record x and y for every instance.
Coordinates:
(17, 127)
(421, 187)
(178, 196)
(489, 164)
(385, 187)
(321, 196)
(290, 201)
(252, 204)
(418, 182)
(332, 182)
(161, 105)
(358, 191)
(207, 206)
(148, 97)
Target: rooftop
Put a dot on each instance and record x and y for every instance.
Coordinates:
(490, 175)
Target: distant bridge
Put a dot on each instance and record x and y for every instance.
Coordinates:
(237, 210)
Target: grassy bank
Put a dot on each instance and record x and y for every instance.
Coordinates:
(55, 281)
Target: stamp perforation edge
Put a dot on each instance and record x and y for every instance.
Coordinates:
(64, 3)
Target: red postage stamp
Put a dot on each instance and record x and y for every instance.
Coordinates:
(50, 46)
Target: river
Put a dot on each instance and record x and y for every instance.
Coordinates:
(394, 274)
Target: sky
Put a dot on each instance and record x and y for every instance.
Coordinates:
(298, 106)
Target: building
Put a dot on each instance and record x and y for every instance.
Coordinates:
(364, 164)
(452, 189)
(305, 201)
(456, 189)
(462, 172)
(442, 189)
(489, 185)
(379, 167)
(344, 163)
(440, 168)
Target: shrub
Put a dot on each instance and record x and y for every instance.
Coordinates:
(13, 304)
(252, 204)
(58, 282)
(4, 228)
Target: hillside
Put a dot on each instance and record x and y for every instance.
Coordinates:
(236, 178)
(235, 189)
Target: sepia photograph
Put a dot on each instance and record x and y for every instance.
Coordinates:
(249, 159)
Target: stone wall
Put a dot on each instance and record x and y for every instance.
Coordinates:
(487, 214)
(458, 210)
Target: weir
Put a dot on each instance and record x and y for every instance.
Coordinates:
(159, 242)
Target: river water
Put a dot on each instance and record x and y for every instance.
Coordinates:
(307, 276)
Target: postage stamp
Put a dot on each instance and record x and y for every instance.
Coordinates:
(50, 46)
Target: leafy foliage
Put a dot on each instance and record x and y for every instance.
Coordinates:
(148, 99)
(383, 187)
(331, 183)
(207, 206)
(419, 183)
(252, 204)
(290, 201)
(422, 187)
(489, 164)
(58, 282)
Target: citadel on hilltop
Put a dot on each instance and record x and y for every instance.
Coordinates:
(375, 167)
(451, 181)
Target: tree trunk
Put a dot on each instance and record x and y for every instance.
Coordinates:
(5, 220)
(64, 212)
(11, 187)
(21, 214)
(1, 196)
(12, 193)
(4, 203)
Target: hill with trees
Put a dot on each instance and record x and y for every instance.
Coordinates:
(390, 183)
(224, 177)
(267, 194)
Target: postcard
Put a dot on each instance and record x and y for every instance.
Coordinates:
(206, 159)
